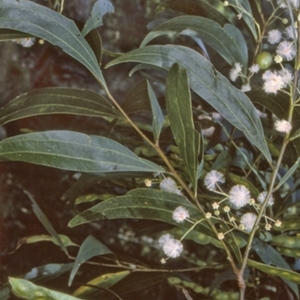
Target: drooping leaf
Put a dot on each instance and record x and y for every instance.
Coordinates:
(100, 8)
(74, 151)
(209, 84)
(289, 173)
(90, 247)
(179, 107)
(102, 282)
(46, 223)
(57, 101)
(141, 203)
(228, 41)
(37, 20)
(157, 115)
(27, 290)
(44, 238)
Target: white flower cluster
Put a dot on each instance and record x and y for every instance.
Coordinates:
(275, 81)
(238, 197)
(180, 214)
(283, 126)
(169, 185)
(212, 179)
(171, 246)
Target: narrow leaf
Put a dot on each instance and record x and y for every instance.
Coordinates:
(283, 273)
(141, 203)
(100, 8)
(289, 173)
(46, 223)
(57, 101)
(158, 117)
(74, 151)
(27, 290)
(102, 282)
(44, 238)
(179, 107)
(40, 21)
(228, 41)
(90, 247)
(209, 84)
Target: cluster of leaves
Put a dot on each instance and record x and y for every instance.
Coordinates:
(185, 84)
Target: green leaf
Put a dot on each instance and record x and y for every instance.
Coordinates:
(158, 117)
(46, 223)
(141, 203)
(45, 238)
(289, 173)
(90, 247)
(179, 107)
(100, 8)
(270, 256)
(27, 290)
(57, 101)
(40, 21)
(74, 151)
(209, 84)
(228, 41)
(103, 282)
(283, 273)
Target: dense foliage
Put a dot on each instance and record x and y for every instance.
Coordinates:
(202, 153)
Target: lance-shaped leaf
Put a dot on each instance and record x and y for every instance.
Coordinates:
(275, 271)
(27, 290)
(209, 84)
(90, 247)
(228, 41)
(74, 151)
(141, 203)
(158, 117)
(40, 21)
(102, 282)
(100, 8)
(57, 101)
(179, 107)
